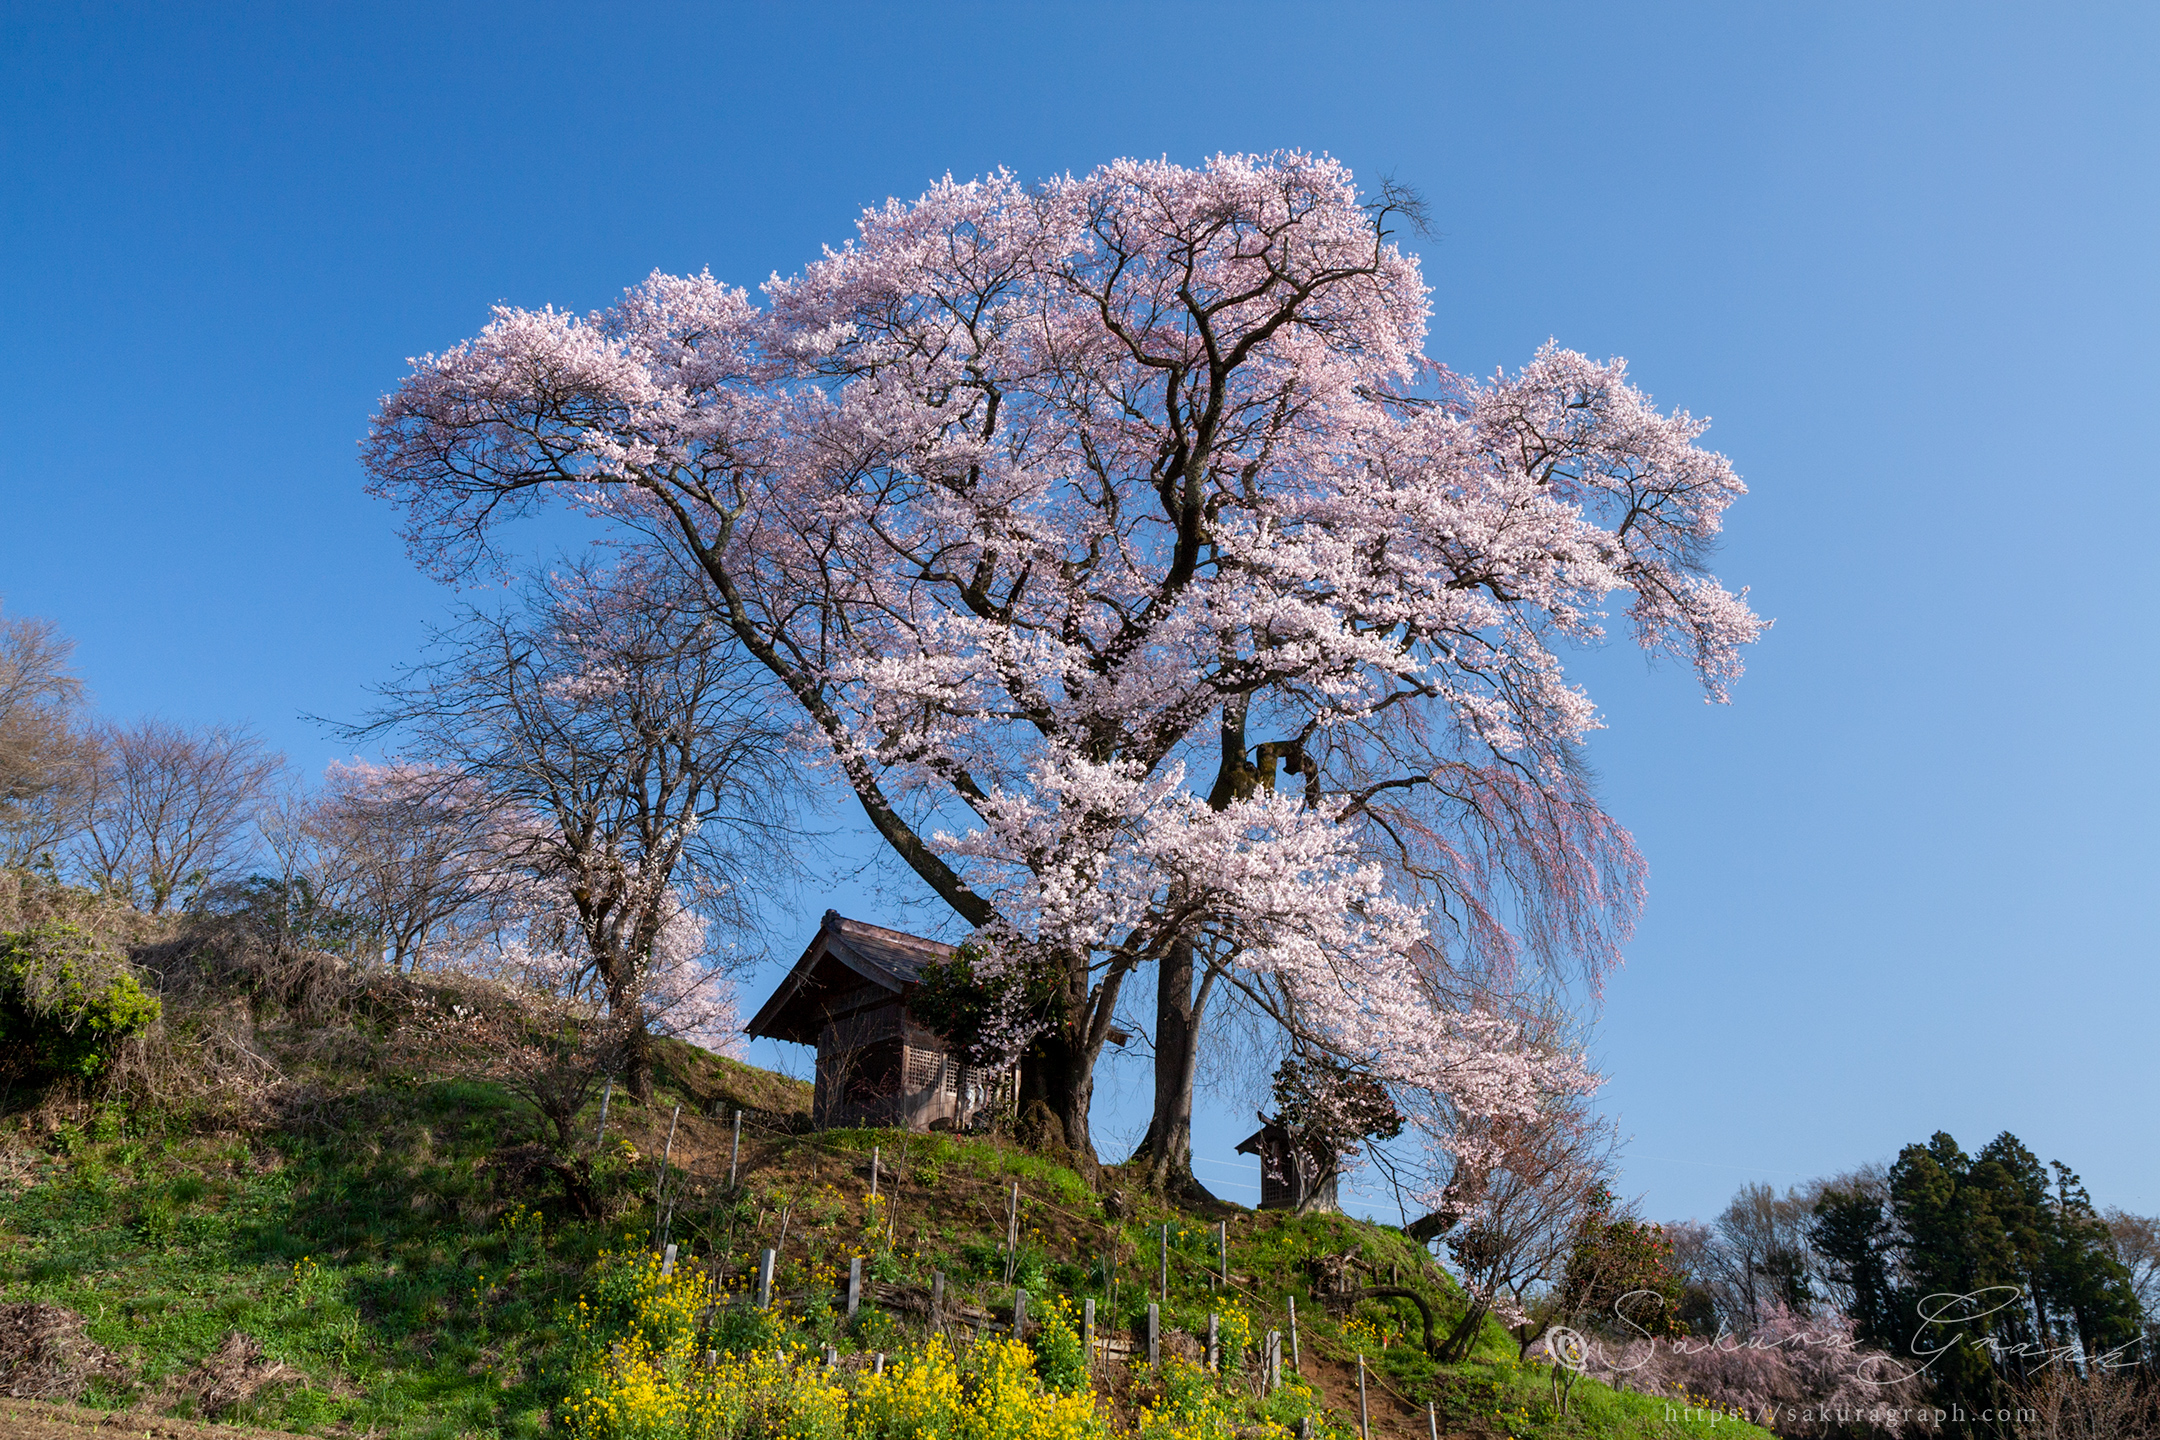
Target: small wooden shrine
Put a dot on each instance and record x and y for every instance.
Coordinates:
(1290, 1174)
(876, 1065)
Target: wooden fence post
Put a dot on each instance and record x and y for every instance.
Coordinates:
(1012, 1233)
(660, 1189)
(734, 1151)
(1154, 1332)
(765, 1278)
(854, 1286)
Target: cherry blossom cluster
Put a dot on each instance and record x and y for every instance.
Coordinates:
(426, 843)
(1045, 503)
(1803, 1374)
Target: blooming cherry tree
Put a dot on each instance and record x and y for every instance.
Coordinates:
(623, 766)
(1157, 598)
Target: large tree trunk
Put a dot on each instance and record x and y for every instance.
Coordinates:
(625, 1001)
(638, 1063)
(1459, 1340)
(1167, 1147)
(1057, 1088)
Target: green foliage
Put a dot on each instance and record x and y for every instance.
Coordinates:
(66, 998)
(952, 998)
(1060, 1352)
(1621, 1269)
(2018, 1237)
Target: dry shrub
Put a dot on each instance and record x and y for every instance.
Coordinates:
(216, 977)
(550, 1050)
(44, 1354)
(2101, 1404)
(29, 898)
(212, 958)
(232, 1374)
(1806, 1371)
(203, 1061)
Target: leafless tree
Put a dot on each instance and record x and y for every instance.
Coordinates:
(1757, 1256)
(1757, 1253)
(2137, 1246)
(626, 759)
(2062, 1403)
(44, 758)
(411, 849)
(171, 808)
(1512, 1212)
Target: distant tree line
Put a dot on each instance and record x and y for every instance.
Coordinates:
(1992, 1275)
(586, 802)
(1976, 1285)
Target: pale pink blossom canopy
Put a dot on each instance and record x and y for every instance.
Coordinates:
(1025, 487)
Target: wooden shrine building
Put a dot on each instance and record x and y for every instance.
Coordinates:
(1290, 1177)
(876, 1065)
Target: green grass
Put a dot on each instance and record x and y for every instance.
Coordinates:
(374, 1262)
(374, 1253)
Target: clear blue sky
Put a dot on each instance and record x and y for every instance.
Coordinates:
(1904, 255)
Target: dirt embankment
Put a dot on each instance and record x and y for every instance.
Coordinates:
(42, 1420)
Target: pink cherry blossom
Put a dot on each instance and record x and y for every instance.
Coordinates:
(1080, 519)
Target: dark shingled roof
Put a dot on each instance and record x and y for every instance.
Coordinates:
(889, 958)
(897, 954)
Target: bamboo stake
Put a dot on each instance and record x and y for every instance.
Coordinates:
(1012, 1233)
(660, 1187)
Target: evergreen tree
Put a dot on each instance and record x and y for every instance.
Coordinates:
(1988, 1266)
(1853, 1234)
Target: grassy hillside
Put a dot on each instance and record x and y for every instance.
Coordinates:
(390, 1269)
(275, 1216)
